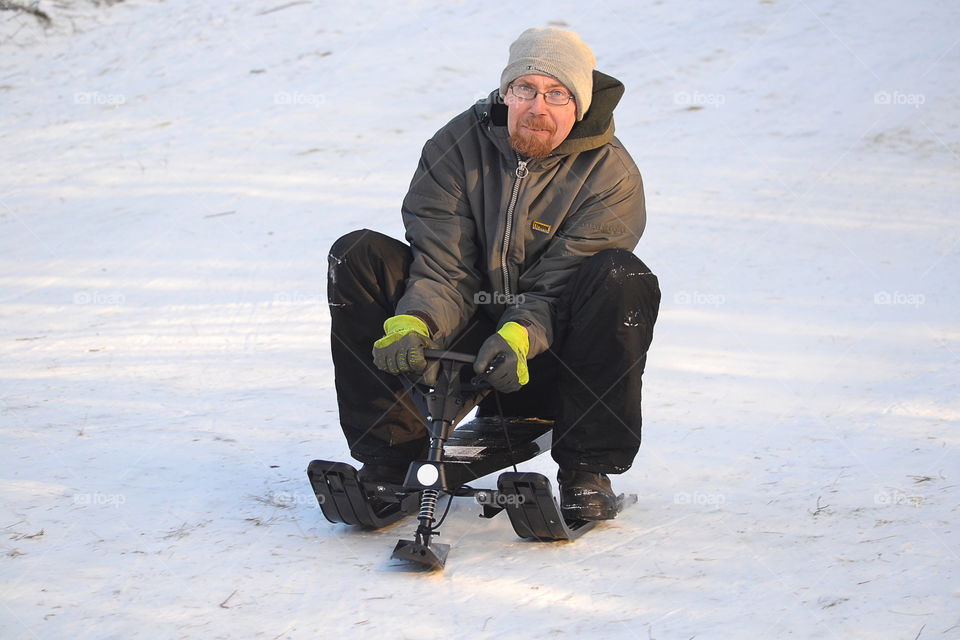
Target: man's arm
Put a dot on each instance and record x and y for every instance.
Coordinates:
(444, 275)
(613, 219)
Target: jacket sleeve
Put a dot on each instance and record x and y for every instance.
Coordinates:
(444, 274)
(612, 219)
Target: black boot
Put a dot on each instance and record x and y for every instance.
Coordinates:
(381, 475)
(586, 496)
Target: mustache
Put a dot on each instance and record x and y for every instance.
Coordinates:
(539, 122)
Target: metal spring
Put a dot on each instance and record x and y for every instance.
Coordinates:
(428, 504)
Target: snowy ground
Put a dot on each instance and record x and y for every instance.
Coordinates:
(173, 173)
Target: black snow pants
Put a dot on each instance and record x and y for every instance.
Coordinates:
(589, 381)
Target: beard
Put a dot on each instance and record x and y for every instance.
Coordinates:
(530, 144)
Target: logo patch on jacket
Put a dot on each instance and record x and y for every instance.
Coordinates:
(540, 226)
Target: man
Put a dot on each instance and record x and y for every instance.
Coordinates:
(521, 220)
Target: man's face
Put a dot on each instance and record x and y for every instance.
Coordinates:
(535, 127)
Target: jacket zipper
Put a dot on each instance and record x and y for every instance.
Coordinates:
(521, 173)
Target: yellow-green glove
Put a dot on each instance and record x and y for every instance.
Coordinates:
(401, 349)
(510, 373)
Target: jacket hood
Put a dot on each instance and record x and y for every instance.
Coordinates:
(595, 130)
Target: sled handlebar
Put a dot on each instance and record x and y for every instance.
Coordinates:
(466, 358)
(441, 354)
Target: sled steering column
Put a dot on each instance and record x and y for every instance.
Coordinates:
(445, 403)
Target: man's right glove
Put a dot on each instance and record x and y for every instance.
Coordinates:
(509, 372)
(401, 349)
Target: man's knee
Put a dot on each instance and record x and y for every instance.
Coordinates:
(359, 241)
(366, 251)
(366, 265)
(612, 285)
(614, 264)
(617, 271)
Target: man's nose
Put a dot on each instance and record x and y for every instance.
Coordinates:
(539, 103)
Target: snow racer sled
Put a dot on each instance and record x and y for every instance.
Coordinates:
(457, 455)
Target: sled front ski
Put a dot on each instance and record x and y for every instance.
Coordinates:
(534, 513)
(432, 557)
(343, 498)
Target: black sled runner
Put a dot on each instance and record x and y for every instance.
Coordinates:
(457, 455)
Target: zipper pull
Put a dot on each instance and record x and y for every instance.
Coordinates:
(522, 169)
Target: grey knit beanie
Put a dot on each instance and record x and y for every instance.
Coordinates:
(558, 53)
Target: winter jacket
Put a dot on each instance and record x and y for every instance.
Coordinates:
(489, 230)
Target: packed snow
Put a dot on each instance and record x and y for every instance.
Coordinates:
(173, 173)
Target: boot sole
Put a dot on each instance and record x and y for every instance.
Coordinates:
(589, 513)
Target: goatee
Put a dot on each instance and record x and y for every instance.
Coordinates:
(529, 144)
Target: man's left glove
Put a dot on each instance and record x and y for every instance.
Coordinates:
(400, 351)
(509, 371)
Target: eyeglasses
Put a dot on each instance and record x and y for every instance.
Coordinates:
(555, 97)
